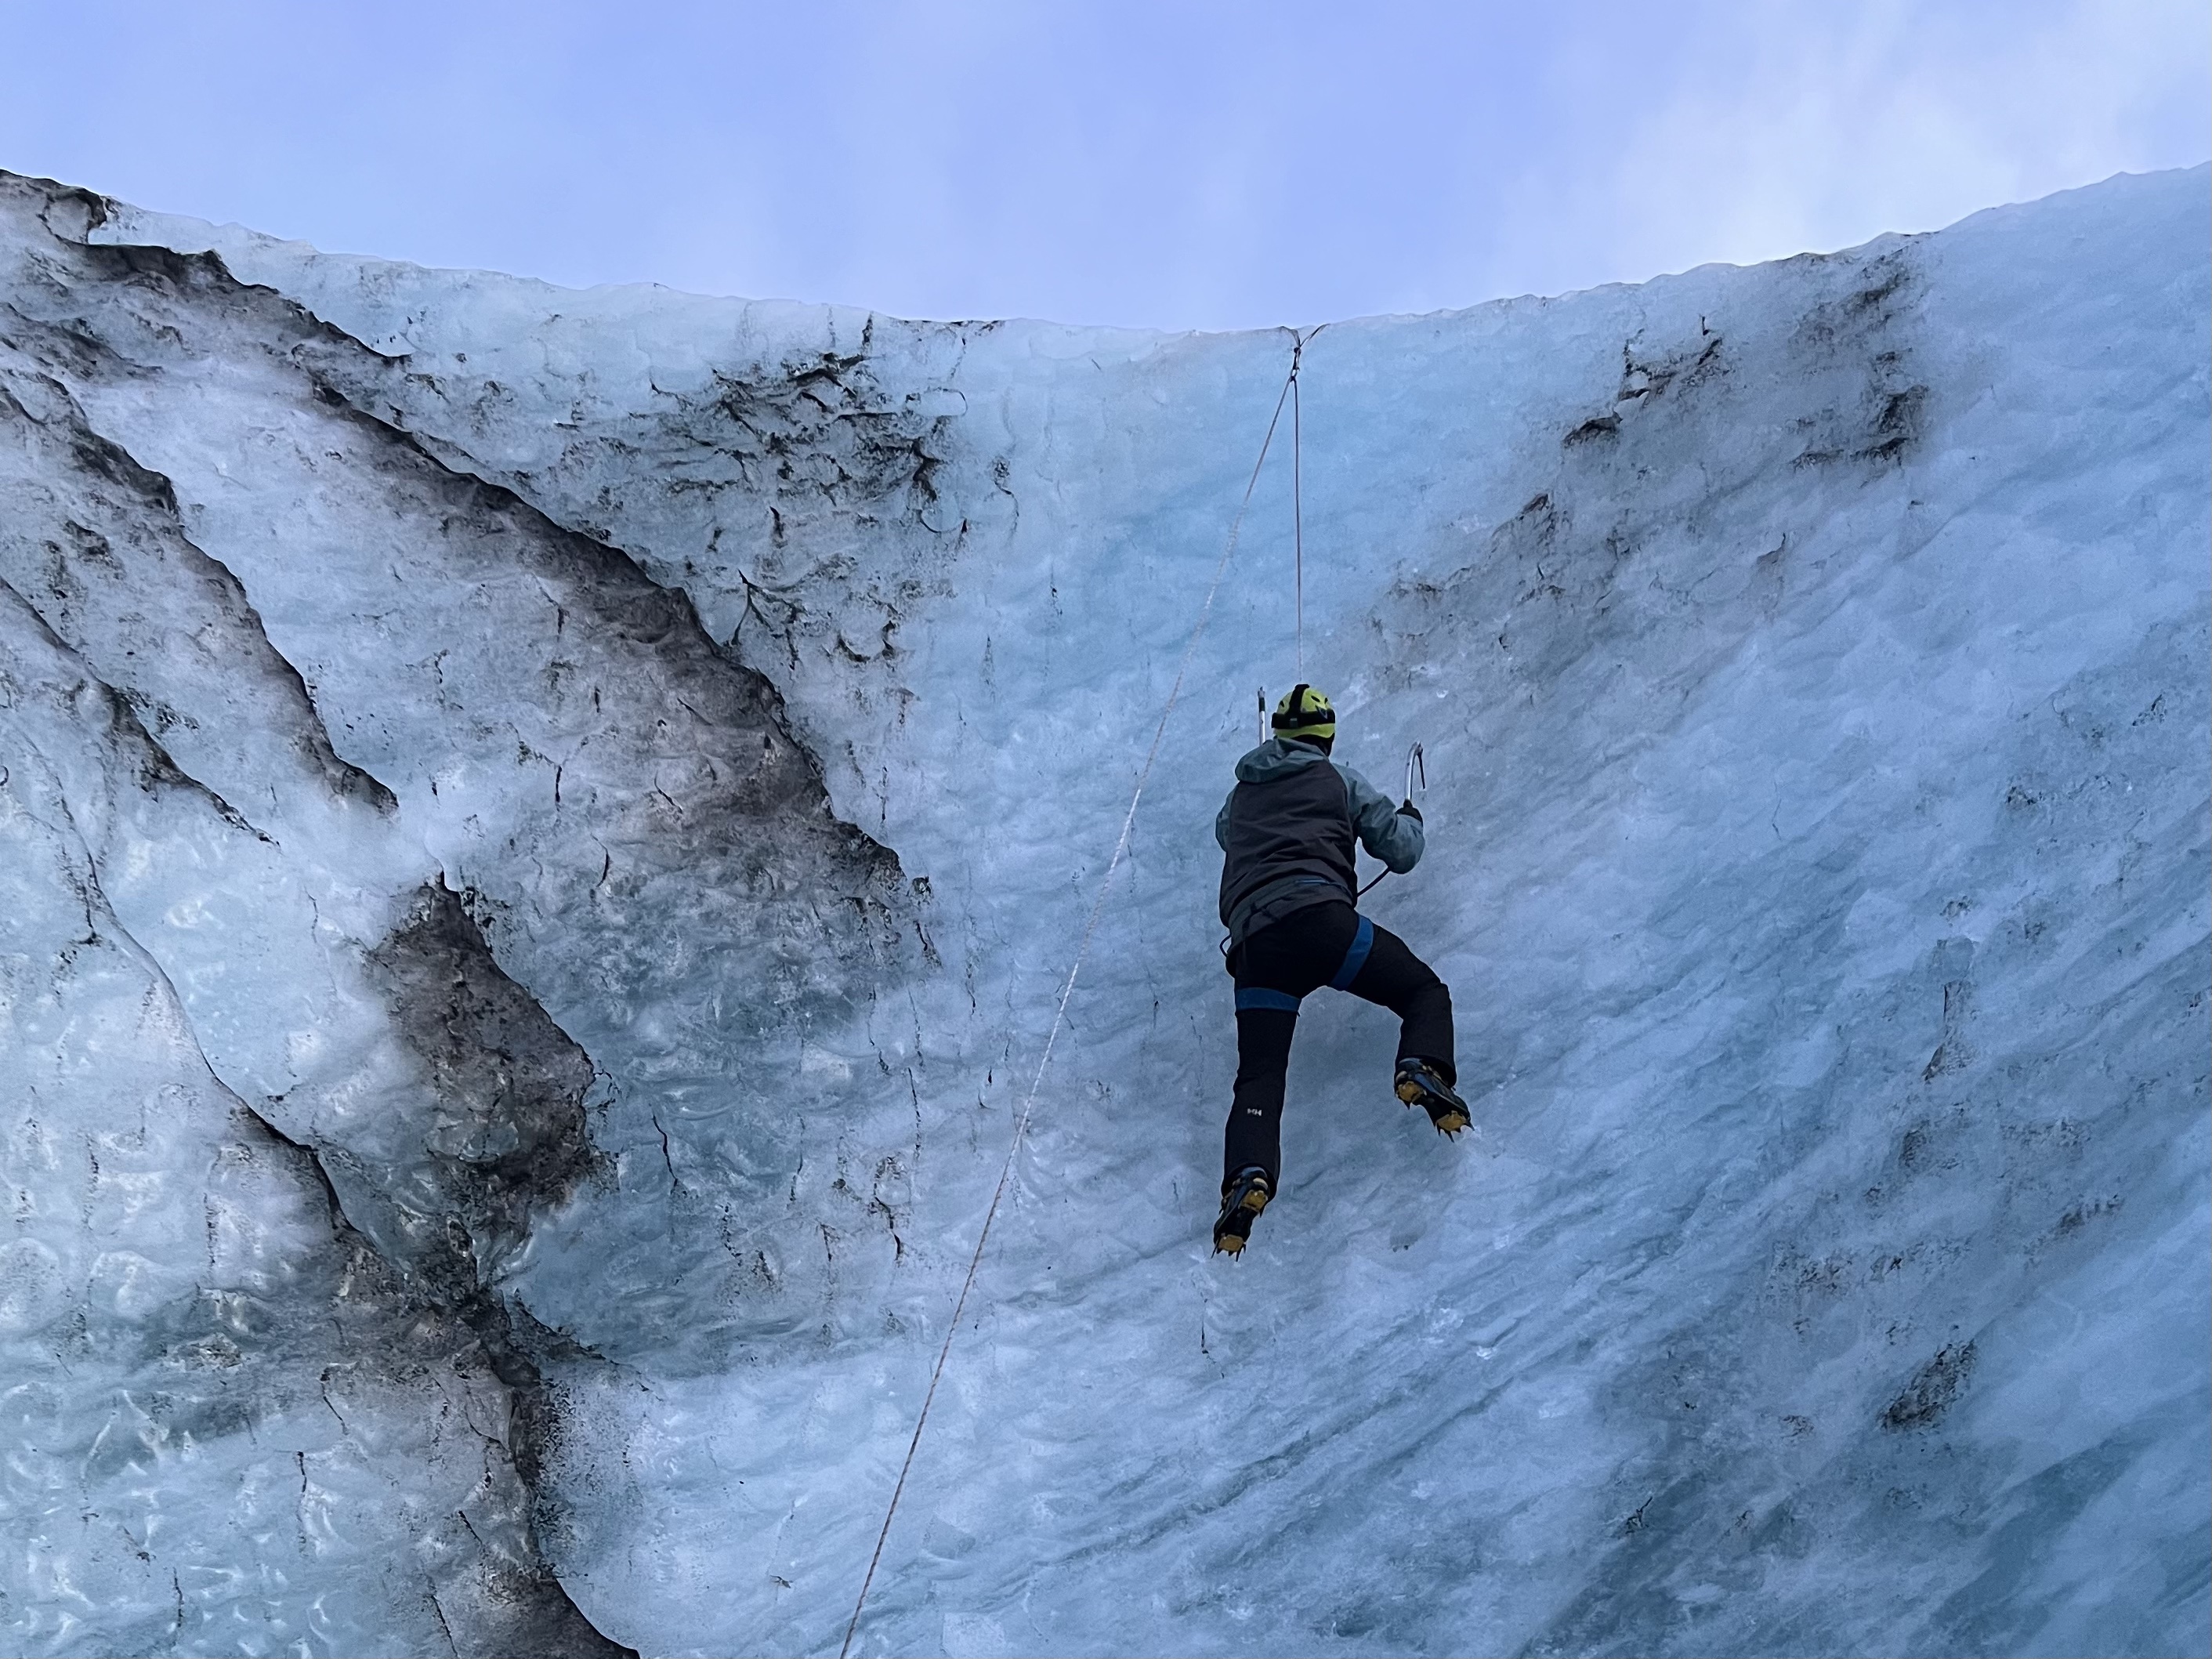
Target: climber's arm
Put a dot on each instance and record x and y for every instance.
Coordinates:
(1393, 834)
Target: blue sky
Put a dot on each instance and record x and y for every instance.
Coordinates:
(1183, 164)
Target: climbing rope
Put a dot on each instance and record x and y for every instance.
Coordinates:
(1298, 511)
(1298, 494)
(1067, 989)
(1298, 503)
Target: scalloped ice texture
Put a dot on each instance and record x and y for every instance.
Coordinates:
(1811, 664)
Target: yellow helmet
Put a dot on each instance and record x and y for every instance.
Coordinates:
(1305, 713)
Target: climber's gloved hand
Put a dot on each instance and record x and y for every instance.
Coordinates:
(1410, 810)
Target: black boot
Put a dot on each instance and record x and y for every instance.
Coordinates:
(1242, 1200)
(1419, 1083)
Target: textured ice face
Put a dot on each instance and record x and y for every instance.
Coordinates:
(585, 802)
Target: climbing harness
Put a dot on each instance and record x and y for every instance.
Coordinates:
(1067, 989)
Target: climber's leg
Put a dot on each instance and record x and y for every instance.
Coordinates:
(1254, 1139)
(1394, 976)
(1277, 967)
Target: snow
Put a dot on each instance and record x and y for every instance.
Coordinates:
(1811, 664)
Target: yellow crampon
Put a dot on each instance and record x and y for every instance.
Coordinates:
(1240, 1206)
(1448, 1113)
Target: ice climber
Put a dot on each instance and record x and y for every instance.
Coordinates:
(1290, 901)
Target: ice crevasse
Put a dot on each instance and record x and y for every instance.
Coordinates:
(541, 833)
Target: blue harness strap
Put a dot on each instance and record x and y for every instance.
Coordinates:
(1356, 958)
(1252, 996)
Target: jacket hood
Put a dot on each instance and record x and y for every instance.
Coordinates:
(1276, 759)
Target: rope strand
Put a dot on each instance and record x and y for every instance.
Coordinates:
(1299, 342)
(1298, 503)
(1059, 1014)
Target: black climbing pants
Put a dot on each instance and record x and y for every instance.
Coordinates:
(1323, 944)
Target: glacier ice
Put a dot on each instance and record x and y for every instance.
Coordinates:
(545, 830)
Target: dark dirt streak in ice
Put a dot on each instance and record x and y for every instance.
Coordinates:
(754, 827)
(687, 790)
(1934, 1388)
(805, 502)
(89, 555)
(508, 1136)
(508, 1129)
(156, 768)
(1626, 555)
(814, 911)
(762, 825)
(231, 1358)
(511, 1130)
(515, 1603)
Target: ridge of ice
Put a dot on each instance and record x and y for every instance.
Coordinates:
(1810, 659)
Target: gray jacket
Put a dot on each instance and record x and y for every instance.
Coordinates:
(1287, 832)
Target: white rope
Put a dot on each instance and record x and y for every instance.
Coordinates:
(1297, 500)
(1299, 342)
(1059, 1014)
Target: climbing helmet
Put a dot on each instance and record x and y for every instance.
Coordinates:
(1305, 713)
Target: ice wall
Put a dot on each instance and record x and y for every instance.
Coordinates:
(546, 826)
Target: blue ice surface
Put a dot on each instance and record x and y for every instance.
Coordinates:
(1811, 663)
